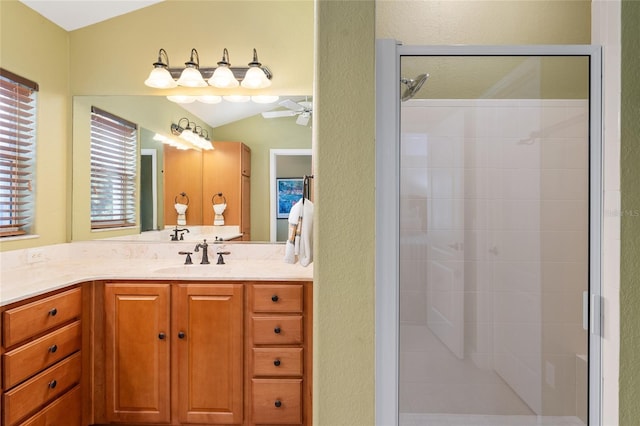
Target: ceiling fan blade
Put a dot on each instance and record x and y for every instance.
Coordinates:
(288, 103)
(275, 114)
(303, 119)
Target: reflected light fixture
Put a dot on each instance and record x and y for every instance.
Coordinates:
(255, 78)
(237, 98)
(190, 76)
(223, 77)
(190, 134)
(160, 77)
(265, 99)
(209, 99)
(181, 99)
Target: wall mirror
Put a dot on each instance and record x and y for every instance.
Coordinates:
(282, 131)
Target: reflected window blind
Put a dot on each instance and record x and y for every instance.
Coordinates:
(17, 153)
(113, 170)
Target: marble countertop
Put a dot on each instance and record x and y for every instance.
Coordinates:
(37, 271)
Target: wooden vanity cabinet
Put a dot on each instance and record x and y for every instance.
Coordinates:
(188, 334)
(42, 360)
(205, 353)
(279, 352)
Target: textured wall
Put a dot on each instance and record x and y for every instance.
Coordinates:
(630, 211)
(344, 160)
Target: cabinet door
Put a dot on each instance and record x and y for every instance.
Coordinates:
(209, 363)
(137, 352)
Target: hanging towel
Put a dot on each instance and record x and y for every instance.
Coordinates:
(306, 235)
(293, 240)
(181, 209)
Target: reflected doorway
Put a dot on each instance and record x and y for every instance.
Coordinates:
(285, 163)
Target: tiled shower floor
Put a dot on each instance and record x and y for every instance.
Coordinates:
(434, 381)
(422, 419)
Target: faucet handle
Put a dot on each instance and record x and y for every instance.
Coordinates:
(220, 258)
(188, 260)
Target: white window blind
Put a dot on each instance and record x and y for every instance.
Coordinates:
(113, 170)
(17, 153)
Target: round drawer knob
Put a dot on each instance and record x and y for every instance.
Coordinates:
(161, 336)
(277, 330)
(53, 349)
(274, 298)
(53, 312)
(278, 403)
(53, 384)
(181, 335)
(276, 363)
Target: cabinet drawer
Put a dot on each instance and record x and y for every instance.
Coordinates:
(34, 318)
(277, 330)
(27, 360)
(277, 298)
(277, 401)
(66, 410)
(41, 389)
(280, 362)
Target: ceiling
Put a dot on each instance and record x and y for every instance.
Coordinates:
(74, 14)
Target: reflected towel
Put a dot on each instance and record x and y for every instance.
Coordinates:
(293, 239)
(306, 235)
(181, 209)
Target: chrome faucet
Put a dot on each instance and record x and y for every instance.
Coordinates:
(205, 255)
(174, 236)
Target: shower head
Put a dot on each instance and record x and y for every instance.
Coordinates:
(413, 85)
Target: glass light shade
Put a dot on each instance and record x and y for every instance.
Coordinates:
(255, 78)
(237, 98)
(265, 99)
(223, 78)
(181, 99)
(191, 77)
(160, 78)
(209, 99)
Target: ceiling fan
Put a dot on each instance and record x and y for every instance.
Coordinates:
(302, 109)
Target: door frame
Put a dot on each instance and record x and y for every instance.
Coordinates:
(388, 54)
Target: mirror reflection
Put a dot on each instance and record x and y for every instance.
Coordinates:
(241, 167)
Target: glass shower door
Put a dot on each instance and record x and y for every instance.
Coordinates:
(494, 240)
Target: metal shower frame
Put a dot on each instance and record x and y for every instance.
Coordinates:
(388, 55)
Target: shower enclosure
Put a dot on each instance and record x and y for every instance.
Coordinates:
(488, 284)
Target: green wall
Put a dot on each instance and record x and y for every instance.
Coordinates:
(630, 209)
(262, 135)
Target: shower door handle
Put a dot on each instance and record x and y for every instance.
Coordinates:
(456, 246)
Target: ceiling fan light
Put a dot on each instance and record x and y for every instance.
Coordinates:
(255, 78)
(223, 78)
(160, 78)
(265, 99)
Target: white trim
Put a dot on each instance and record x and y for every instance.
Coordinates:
(388, 53)
(273, 154)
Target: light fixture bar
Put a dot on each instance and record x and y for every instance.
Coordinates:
(207, 72)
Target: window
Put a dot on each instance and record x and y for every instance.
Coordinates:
(113, 171)
(17, 153)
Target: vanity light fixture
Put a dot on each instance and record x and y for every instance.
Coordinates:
(190, 76)
(181, 99)
(160, 77)
(253, 76)
(223, 77)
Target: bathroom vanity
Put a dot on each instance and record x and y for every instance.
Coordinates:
(140, 338)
